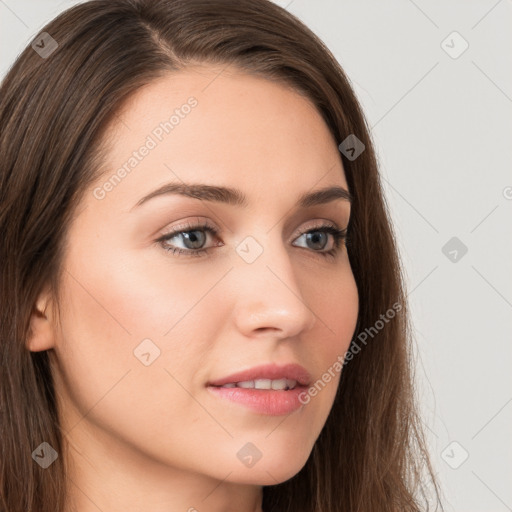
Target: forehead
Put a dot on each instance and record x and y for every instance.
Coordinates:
(221, 126)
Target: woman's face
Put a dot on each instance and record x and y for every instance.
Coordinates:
(145, 330)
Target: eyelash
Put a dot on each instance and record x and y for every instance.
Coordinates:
(339, 235)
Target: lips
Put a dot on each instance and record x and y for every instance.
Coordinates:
(273, 372)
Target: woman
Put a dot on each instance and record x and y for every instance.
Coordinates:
(202, 302)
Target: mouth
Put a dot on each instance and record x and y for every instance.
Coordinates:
(266, 389)
(263, 384)
(266, 376)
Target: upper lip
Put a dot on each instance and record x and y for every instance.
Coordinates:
(290, 371)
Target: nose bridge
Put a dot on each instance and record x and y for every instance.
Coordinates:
(270, 295)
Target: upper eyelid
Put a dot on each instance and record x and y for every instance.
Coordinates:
(203, 223)
(206, 226)
(189, 226)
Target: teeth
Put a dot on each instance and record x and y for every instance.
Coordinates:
(291, 383)
(277, 384)
(263, 384)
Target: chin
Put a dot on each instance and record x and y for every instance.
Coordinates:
(269, 471)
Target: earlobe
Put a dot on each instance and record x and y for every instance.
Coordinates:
(41, 331)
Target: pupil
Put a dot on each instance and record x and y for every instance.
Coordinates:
(315, 237)
(192, 237)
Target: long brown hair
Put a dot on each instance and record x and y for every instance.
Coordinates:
(54, 109)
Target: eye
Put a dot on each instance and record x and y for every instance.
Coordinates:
(319, 235)
(194, 237)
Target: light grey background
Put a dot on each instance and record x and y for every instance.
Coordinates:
(442, 128)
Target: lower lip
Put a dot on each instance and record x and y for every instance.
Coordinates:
(265, 401)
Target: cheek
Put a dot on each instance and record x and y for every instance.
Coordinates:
(148, 292)
(145, 405)
(337, 311)
(336, 307)
(118, 307)
(115, 313)
(131, 294)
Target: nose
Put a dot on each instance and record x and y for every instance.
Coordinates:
(269, 297)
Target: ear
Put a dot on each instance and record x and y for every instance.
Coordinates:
(42, 328)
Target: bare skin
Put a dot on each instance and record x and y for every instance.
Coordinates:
(153, 437)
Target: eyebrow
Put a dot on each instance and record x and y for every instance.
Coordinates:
(236, 197)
